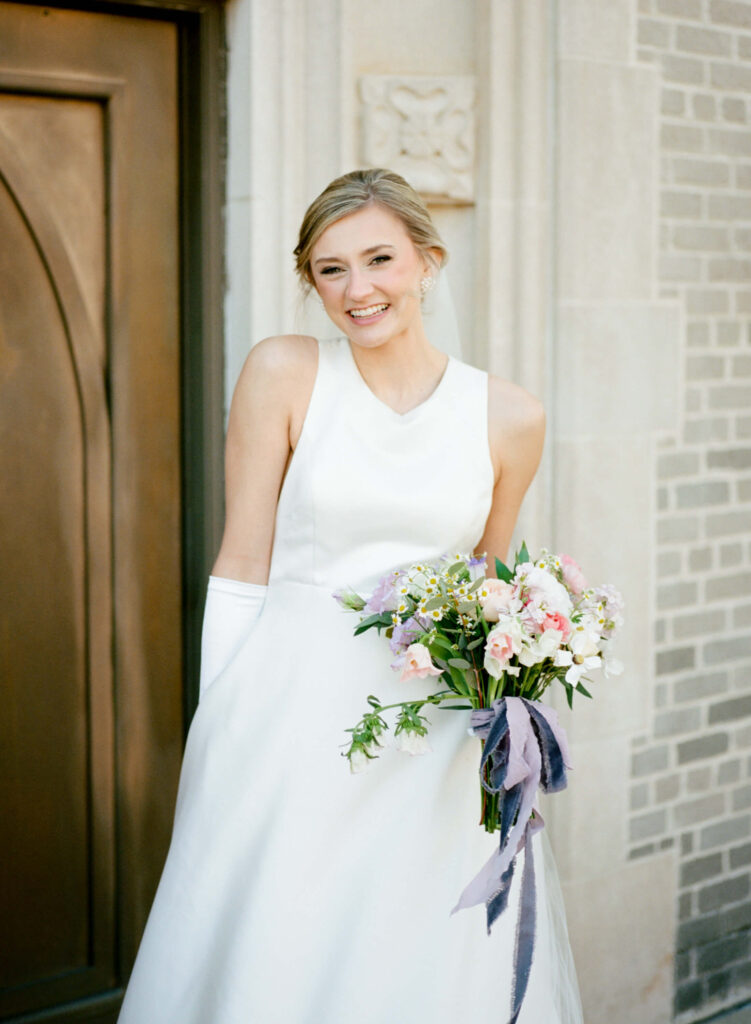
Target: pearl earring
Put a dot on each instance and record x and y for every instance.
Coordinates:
(426, 284)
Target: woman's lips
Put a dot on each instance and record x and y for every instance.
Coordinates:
(368, 314)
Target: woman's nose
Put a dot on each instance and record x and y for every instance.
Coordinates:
(358, 285)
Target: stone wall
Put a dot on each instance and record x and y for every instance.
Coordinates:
(692, 769)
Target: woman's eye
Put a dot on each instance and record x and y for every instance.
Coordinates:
(384, 257)
(331, 270)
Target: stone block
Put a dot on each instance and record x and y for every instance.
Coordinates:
(712, 429)
(703, 40)
(707, 300)
(729, 269)
(669, 563)
(680, 204)
(719, 894)
(676, 659)
(742, 238)
(730, 710)
(730, 76)
(680, 8)
(676, 721)
(743, 175)
(701, 623)
(701, 238)
(667, 788)
(606, 179)
(696, 811)
(734, 109)
(675, 464)
(688, 996)
(709, 745)
(682, 137)
(646, 826)
(742, 616)
(729, 458)
(722, 833)
(741, 800)
(653, 33)
(682, 70)
(697, 687)
(728, 332)
(731, 649)
(699, 780)
(672, 102)
(705, 368)
(697, 333)
(676, 529)
(724, 951)
(639, 796)
(731, 555)
(679, 268)
(728, 771)
(650, 760)
(700, 869)
(587, 29)
(680, 594)
(730, 12)
(740, 856)
(724, 207)
(700, 559)
(723, 524)
(730, 396)
(699, 930)
(722, 587)
(713, 492)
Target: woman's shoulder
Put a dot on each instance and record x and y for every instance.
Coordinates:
(516, 421)
(281, 353)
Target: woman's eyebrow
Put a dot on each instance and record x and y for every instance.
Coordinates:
(365, 252)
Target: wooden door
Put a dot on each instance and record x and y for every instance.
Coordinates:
(91, 691)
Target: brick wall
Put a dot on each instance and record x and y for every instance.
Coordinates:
(691, 775)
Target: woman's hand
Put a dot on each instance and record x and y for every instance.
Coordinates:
(516, 432)
(266, 416)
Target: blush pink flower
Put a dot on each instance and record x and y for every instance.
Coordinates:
(572, 575)
(497, 599)
(502, 644)
(555, 620)
(417, 663)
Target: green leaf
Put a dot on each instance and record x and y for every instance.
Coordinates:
(523, 554)
(476, 643)
(569, 694)
(477, 584)
(436, 602)
(455, 568)
(379, 620)
(459, 663)
(502, 571)
(582, 689)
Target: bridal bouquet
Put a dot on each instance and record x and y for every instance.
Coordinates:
(493, 646)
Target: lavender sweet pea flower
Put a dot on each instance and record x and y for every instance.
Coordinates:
(405, 634)
(384, 598)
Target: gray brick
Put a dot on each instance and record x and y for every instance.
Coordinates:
(695, 687)
(676, 595)
(719, 894)
(697, 333)
(728, 649)
(700, 559)
(740, 856)
(708, 300)
(699, 931)
(743, 486)
(713, 492)
(704, 106)
(730, 76)
(661, 692)
(682, 966)
(673, 464)
(676, 659)
(730, 141)
(730, 710)
(680, 204)
(676, 721)
(742, 616)
(731, 556)
(643, 850)
(723, 524)
(729, 458)
(737, 917)
(729, 207)
(639, 796)
(728, 771)
(649, 760)
(742, 365)
(744, 47)
(692, 812)
(730, 396)
(676, 529)
(742, 238)
(701, 238)
(703, 40)
(680, 8)
(742, 798)
(679, 268)
(663, 499)
(687, 843)
(721, 587)
(700, 172)
(672, 102)
(667, 788)
(705, 368)
(668, 563)
(692, 399)
(734, 109)
(722, 833)
(731, 12)
(696, 624)
(728, 332)
(683, 70)
(688, 996)
(729, 269)
(743, 176)
(719, 984)
(646, 826)
(699, 780)
(653, 33)
(708, 745)
(725, 951)
(659, 631)
(700, 869)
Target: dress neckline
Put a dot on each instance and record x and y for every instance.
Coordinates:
(416, 410)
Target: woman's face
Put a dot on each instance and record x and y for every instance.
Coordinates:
(367, 272)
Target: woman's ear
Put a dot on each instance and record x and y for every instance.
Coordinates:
(433, 260)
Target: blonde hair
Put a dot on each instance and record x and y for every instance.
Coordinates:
(353, 191)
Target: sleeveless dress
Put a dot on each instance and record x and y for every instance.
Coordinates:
(296, 892)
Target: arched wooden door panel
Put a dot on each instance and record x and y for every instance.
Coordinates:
(91, 668)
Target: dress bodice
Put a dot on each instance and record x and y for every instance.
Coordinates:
(368, 489)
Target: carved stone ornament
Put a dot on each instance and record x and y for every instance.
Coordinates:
(423, 127)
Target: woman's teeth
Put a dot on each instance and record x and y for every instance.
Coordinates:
(368, 311)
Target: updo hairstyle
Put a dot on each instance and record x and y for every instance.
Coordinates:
(353, 191)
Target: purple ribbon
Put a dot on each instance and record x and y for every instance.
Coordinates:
(525, 747)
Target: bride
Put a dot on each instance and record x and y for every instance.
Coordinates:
(294, 891)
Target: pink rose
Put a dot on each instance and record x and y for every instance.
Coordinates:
(417, 663)
(572, 575)
(499, 597)
(555, 620)
(500, 646)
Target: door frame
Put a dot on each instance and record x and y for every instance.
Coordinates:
(202, 60)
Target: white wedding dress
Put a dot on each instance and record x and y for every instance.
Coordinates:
(296, 892)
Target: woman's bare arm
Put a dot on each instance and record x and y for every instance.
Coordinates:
(265, 419)
(516, 431)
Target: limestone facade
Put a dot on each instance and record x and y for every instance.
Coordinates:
(600, 256)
